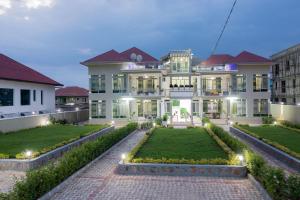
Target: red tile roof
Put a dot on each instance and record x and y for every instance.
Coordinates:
(145, 56)
(217, 59)
(71, 92)
(13, 70)
(247, 57)
(109, 56)
(125, 56)
(243, 57)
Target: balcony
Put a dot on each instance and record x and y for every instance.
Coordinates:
(154, 67)
(181, 91)
(146, 92)
(215, 92)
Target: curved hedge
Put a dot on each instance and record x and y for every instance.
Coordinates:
(40, 181)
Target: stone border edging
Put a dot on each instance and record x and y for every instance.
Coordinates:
(66, 182)
(259, 187)
(274, 152)
(24, 165)
(181, 170)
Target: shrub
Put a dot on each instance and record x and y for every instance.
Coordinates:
(165, 117)
(205, 120)
(292, 187)
(58, 121)
(146, 125)
(216, 161)
(290, 124)
(158, 121)
(42, 180)
(4, 156)
(268, 120)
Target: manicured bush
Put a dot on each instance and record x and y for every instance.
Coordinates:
(268, 120)
(146, 125)
(205, 120)
(215, 161)
(158, 121)
(4, 156)
(42, 180)
(165, 117)
(290, 124)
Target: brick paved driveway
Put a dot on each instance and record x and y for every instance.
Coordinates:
(100, 182)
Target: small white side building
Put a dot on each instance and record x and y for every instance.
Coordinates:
(24, 91)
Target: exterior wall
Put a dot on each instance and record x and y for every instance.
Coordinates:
(249, 95)
(48, 97)
(286, 112)
(288, 64)
(19, 123)
(167, 93)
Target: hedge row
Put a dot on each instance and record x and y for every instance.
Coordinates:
(40, 181)
(272, 143)
(272, 178)
(290, 124)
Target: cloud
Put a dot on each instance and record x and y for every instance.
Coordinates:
(4, 5)
(34, 4)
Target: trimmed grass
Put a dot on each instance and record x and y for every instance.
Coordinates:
(283, 136)
(194, 143)
(37, 139)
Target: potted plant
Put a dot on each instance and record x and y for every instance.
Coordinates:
(165, 120)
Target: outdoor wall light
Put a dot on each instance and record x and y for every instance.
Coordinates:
(206, 125)
(112, 122)
(231, 122)
(58, 110)
(241, 159)
(28, 154)
(123, 157)
(77, 109)
(154, 124)
(275, 123)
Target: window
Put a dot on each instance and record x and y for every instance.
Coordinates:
(34, 95)
(239, 107)
(276, 86)
(6, 97)
(168, 107)
(120, 108)
(42, 97)
(260, 82)
(276, 69)
(239, 83)
(260, 107)
(147, 85)
(97, 83)
(283, 86)
(140, 108)
(119, 83)
(180, 64)
(294, 83)
(25, 97)
(98, 109)
(195, 108)
(150, 108)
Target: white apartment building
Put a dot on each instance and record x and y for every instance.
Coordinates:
(133, 85)
(24, 91)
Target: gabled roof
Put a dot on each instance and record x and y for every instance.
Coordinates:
(217, 59)
(247, 57)
(109, 56)
(243, 57)
(145, 56)
(73, 91)
(13, 70)
(125, 56)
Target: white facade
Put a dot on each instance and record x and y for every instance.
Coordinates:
(37, 104)
(185, 93)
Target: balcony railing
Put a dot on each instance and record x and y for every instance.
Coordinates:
(146, 92)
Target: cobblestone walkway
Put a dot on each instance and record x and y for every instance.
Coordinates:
(269, 158)
(8, 179)
(100, 182)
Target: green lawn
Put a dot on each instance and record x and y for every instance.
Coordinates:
(36, 139)
(194, 143)
(283, 136)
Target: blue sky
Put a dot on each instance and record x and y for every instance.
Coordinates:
(53, 36)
